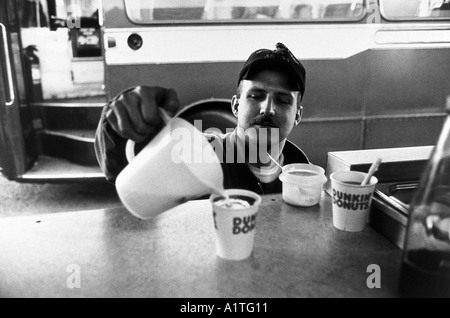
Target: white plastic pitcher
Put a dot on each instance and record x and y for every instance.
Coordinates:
(177, 165)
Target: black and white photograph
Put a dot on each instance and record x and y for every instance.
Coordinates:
(230, 156)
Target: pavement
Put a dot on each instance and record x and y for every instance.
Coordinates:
(31, 198)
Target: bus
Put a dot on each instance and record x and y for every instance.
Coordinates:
(378, 71)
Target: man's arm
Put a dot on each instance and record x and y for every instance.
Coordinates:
(109, 148)
(134, 115)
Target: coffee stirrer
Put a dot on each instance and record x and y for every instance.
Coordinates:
(271, 158)
(372, 170)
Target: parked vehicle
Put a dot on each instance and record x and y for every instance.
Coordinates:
(378, 74)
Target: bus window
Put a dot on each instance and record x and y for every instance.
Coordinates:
(158, 11)
(415, 9)
(302, 11)
(343, 10)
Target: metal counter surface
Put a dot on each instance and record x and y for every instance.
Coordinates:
(110, 253)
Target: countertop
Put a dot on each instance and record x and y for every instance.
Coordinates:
(110, 253)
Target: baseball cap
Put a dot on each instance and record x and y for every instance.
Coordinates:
(281, 57)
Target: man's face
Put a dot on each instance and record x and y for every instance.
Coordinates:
(267, 101)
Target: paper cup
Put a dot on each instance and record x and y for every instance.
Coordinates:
(351, 200)
(235, 227)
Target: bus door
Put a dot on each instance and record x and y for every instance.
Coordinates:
(52, 90)
(18, 149)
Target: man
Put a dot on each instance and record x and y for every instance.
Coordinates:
(271, 86)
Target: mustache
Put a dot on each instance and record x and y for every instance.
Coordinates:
(264, 120)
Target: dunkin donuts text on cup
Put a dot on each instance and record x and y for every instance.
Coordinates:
(351, 201)
(240, 225)
(244, 224)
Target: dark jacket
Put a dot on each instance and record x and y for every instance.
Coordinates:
(110, 152)
(239, 175)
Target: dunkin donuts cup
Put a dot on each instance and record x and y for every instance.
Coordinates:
(351, 200)
(235, 223)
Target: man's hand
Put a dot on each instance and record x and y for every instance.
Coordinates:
(134, 114)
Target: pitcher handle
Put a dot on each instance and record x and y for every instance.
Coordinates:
(129, 147)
